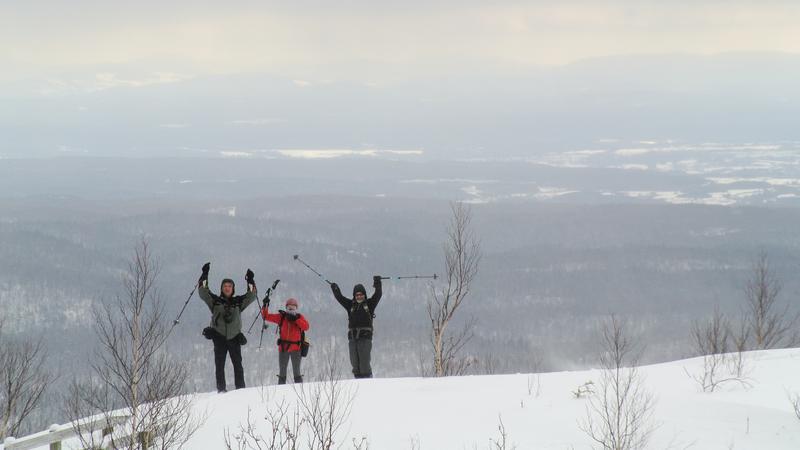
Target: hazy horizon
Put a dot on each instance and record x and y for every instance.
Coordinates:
(452, 80)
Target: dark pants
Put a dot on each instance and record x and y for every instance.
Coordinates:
(283, 365)
(221, 348)
(360, 354)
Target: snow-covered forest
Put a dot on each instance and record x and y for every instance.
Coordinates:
(549, 275)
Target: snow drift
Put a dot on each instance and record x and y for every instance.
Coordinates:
(539, 411)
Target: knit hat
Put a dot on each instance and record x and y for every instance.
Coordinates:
(291, 302)
(359, 288)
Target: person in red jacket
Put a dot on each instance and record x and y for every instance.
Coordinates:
(291, 325)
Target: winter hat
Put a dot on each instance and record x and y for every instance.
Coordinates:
(292, 301)
(359, 288)
(227, 280)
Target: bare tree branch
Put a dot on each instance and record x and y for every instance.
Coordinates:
(325, 405)
(462, 255)
(712, 340)
(794, 399)
(23, 382)
(132, 375)
(619, 415)
(771, 325)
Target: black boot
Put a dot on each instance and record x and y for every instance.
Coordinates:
(281, 380)
(298, 378)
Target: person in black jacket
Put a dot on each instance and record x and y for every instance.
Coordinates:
(360, 312)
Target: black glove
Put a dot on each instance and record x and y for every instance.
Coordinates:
(292, 317)
(335, 288)
(204, 275)
(249, 277)
(376, 280)
(265, 303)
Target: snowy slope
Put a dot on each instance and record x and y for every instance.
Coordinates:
(459, 412)
(462, 412)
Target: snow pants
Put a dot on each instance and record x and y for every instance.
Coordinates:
(283, 365)
(223, 347)
(360, 354)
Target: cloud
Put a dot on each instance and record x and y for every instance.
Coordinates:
(235, 154)
(311, 41)
(259, 121)
(338, 153)
(105, 81)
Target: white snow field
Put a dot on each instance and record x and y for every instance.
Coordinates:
(463, 412)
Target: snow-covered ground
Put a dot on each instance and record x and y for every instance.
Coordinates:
(463, 412)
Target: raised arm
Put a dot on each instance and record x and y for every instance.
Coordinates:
(376, 296)
(202, 287)
(344, 301)
(252, 291)
(274, 318)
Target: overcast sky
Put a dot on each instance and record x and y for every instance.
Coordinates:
(360, 40)
(453, 78)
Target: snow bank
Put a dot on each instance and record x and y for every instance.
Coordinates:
(461, 412)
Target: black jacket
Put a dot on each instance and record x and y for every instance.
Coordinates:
(359, 315)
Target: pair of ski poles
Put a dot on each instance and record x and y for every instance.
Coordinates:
(264, 303)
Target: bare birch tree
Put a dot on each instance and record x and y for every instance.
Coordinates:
(133, 377)
(284, 425)
(314, 420)
(712, 337)
(23, 381)
(770, 324)
(462, 255)
(619, 415)
(794, 400)
(712, 340)
(325, 405)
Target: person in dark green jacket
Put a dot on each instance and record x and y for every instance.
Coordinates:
(226, 323)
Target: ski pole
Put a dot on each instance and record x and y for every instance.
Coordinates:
(297, 258)
(413, 277)
(265, 301)
(433, 277)
(178, 317)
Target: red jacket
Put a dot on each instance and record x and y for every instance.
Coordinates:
(290, 331)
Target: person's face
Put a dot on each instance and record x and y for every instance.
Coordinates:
(360, 297)
(227, 289)
(291, 308)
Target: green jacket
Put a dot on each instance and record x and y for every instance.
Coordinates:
(226, 313)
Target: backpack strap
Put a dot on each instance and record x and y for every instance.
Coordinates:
(232, 302)
(285, 344)
(363, 305)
